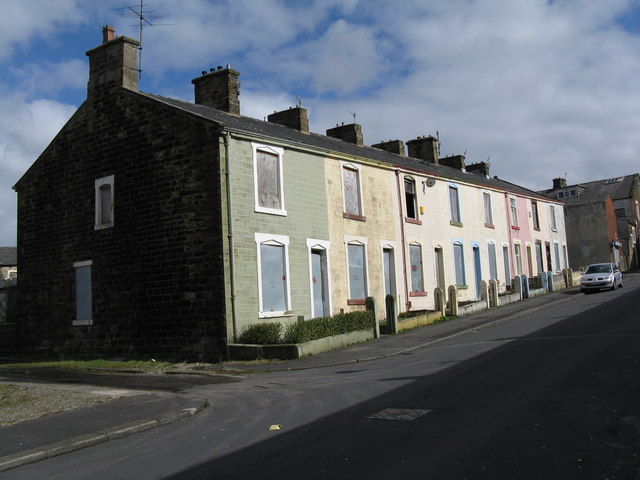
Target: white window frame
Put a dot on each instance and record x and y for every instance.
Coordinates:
(493, 265)
(99, 184)
(258, 147)
(556, 253)
(272, 239)
(535, 215)
(351, 166)
(78, 322)
(355, 240)
(315, 244)
(458, 210)
(389, 245)
(513, 211)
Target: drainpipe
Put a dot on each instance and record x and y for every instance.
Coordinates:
(227, 174)
(402, 241)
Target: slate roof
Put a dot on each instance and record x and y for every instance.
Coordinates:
(8, 256)
(598, 190)
(328, 144)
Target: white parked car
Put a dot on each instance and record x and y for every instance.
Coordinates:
(601, 275)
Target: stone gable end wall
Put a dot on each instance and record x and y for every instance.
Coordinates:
(157, 274)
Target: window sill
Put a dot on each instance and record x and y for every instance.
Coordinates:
(412, 220)
(515, 227)
(455, 224)
(489, 225)
(554, 230)
(536, 229)
(82, 323)
(102, 226)
(286, 313)
(356, 302)
(418, 294)
(351, 216)
(462, 287)
(270, 211)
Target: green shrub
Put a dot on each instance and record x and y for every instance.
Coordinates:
(261, 334)
(321, 327)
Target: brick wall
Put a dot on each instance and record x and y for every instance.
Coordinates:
(156, 273)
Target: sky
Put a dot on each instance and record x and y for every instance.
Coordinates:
(539, 88)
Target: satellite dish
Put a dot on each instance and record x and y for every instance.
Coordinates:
(431, 182)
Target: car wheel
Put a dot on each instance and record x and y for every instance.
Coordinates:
(614, 286)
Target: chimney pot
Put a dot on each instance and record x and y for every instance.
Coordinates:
(108, 33)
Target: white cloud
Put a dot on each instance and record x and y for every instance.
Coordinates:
(49, 78)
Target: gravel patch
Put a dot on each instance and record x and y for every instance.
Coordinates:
(20, 403)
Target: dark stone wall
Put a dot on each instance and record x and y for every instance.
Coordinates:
(157, 274)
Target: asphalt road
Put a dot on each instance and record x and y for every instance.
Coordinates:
(551, 394)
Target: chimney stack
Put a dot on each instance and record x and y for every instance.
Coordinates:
(113, 63)
(218, 89)
(559, 183)
(424, 148)
(295, 118)
(351, 133)
(393, 146)
(479, 168)
(453, 161)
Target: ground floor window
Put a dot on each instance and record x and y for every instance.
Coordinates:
(273, 285)
(84, 295)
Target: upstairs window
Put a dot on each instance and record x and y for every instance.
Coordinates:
(410, 198)
(514, 212)
(268, 179)
(104, 202)
(552, 217)
(534, 215)
(454, 205)
(352, 193)
(488, 214)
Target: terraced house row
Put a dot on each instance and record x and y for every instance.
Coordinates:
(152, 225)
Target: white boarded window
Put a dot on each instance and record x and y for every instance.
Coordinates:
(493, 266)
(556, 253)
(273, 274)
(357, 271)
(488, 214)
(514, 213)
(454, 204)
(552, 216)
(507, 264)
(351, 191)
(268, 179)
(104, 202)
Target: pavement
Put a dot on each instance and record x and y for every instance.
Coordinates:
(150, 401)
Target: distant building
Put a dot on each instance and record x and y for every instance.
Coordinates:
(602, 220)
(8, 263)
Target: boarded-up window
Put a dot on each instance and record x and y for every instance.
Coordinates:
(507, 266)
(454, 204)
(357, 272)
(273, 278)
(105, 204)
(488, 214)
(458, 260)
(83, 293)
(493, 267)
(552, 216)
(415, 256)
(268, 172)
(351, 182)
